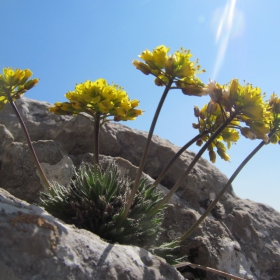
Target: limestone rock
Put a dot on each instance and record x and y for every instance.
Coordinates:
(18, 168)
(6, 138)
(35, 245)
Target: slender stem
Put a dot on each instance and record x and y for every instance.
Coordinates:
(173, 159)
(221, 193)
(30, 145)
(144, 155)
(96, 138)
(188, 170)
(222, 273)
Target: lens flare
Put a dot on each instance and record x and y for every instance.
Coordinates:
(227, 23)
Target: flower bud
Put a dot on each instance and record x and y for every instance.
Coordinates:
(220, 146)
(215, 91)
(30, 84)
(233, 91)
(194, 90)
(274, 139)
(117, 118)
(169, 65)
(212, 108)
(223, 155)
(247, 132)
(196, 125)
(202, 115)
(144, 68)
(196, 111)
(199, 142)
(277, 108)
(159, 82)
(212, 156)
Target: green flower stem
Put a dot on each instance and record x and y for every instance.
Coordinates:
(144, 155)
(96, 138)
(173, 159)
(30, 145)
(188, 170)
(224, 189)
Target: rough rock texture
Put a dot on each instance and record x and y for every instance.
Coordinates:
(34, 245)
(239, 236)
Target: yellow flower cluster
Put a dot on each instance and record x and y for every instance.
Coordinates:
(246, 104)
(274, 109)
(168, 68)
(97, 97)
(14, 83)
(210, 118)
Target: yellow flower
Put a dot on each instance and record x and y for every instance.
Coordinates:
(134, 103)
(98, 98)
(105, 106)
(14, 83)
(121, 96)
(130, 115)
(230, 135)
(63, 108)
(119, 111)
(157, 58)
(182, 66)
(109, 92)
(176, 67)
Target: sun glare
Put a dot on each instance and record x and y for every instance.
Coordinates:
(227, 23)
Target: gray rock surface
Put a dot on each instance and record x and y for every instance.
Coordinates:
(239, 236)
(35, 245)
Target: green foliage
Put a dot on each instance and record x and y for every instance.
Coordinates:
(95, 201)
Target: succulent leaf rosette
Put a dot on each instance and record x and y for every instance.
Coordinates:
(177, 68)
(98, 98)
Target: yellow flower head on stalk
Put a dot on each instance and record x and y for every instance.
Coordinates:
(210, 118)
(246, 103)
(157, 58)
(274, 110)
(98, 97)
(176, 67)
(14, 83)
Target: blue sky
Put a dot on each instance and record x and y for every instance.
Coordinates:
(69, 42)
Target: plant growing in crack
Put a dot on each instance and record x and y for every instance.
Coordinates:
(96, 198)
(99, 198)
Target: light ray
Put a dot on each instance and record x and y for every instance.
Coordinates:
(225, 24)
